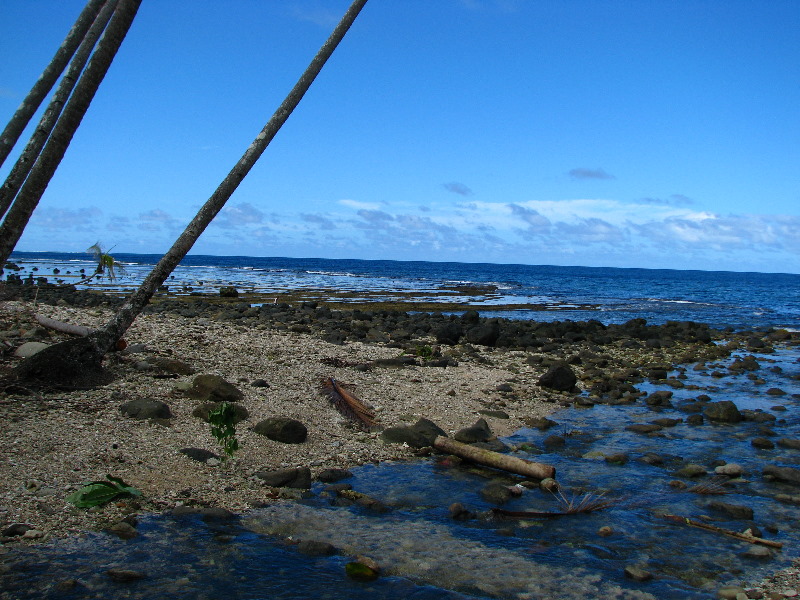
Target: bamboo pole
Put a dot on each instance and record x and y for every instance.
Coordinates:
(488, 458)
(739, 536)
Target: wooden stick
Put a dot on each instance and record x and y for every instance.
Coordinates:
(739, 536)
(69, 328)
(488, 458)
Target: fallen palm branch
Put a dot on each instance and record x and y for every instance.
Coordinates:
(710, 488)
(349, 406)
(735, 534)
(512, 464)
(587, 503)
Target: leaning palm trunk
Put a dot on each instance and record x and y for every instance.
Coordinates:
(33, 148)
(47, 79)
(72, 359)
(20, 212)
(106, 338)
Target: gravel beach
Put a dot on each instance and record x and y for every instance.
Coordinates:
(59, 438)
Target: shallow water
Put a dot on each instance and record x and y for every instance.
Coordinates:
(427, 555)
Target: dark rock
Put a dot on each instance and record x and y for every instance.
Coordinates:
(171, 365)
(215, 513)
(395, 362)
(299, 478)
(559, 377)
(637, 573)
(419, 435)
(643, 428)
(333, 475)
(125, 575)
(618, 458)
(259, 383)
(776, 392)
(783, 474)
(691, 471)
(762, 443)
(541, 423)
(282, 429)
(450, 333)
(146, 408)
(204, 410)
(16, 529)
(554, 441)
(724, 411)
(213, 388)
(228, 292)
(793, 444)
(123, 530)
(479, 432)
(659, 398)
(459, 512)
(199, 454)
(496, 493)
(695, 420)
(316, 548)
(496, 414)
(666, 422)
(485, 334)
(734, 511)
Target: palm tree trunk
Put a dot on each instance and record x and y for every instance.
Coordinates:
(106, 338)
(33, 148)
(49, 159)
(47, 79)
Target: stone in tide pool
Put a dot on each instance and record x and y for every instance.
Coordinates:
(724, 411)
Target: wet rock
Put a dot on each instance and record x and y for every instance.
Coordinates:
(637, 573)
(125, 575)
(316, 548)
(651, 458)
(554, 441)
(776, 392)
(618, 458)
(213, 388)
(298, 478)
(691, 471)
(729, 470)
(783, 474)
(479, 432)
(731, 592)
(496, 493)
(541, 423)
(363, 569)
(695, 420)
(756, 552)
(146, 408)
(666, 422)
(790, 443)
(762, 443)
(282, 429)
(660, 398)
(559, 377)
(123, 530)
(333, 475)
(199, 454)
(757, 416)
(459, 512)
(724, 411)
(605, 531)
(643, 428)
(734, 511)
(419, 435)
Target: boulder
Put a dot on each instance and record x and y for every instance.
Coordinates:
(559, 377)
(28, 349)
(479, 432)
(213, 388)
(783, 474)
(724, 411)
(484, 334)
(282, 429)
(299, 478)
(449, 333)
(146, 408)
(419, 435)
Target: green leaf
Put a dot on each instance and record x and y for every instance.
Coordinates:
(96, 493)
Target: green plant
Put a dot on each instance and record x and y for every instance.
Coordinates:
(105, 262)
(425, 352)
(96, 493)
(223, 427)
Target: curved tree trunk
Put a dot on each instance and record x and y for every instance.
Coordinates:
(17, 217)
(47, 79)
(33, 148)
(106, 338)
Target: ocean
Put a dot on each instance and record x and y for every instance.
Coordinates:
(539, 292)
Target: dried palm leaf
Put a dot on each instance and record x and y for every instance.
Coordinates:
(349, 406)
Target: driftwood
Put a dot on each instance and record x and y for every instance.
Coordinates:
(76, 330)
(735, 534)
(79, 330)
(488, 458)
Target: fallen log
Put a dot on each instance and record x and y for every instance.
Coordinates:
(512, 464)
(71, 329)
(79, 330)
(735, 534)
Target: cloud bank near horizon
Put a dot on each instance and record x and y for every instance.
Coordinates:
(669, 233)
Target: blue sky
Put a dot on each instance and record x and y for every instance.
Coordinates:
(662, 133)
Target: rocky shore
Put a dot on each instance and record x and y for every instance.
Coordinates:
(148, 424)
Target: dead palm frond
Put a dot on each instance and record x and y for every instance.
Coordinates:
(574, 505)
(709, 488)
(349, 406)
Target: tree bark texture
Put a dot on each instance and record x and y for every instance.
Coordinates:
(135, 303)
(20, 212)
(512, 464)
(33, 148)
(47, 79)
